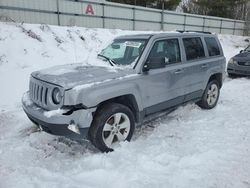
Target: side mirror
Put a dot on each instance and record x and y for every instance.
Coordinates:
(241, 51)
(155, 63)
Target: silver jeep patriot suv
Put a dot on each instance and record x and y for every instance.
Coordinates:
(143, 74)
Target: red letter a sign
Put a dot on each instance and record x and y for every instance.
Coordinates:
(89, 10)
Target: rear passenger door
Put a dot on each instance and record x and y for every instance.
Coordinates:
(196, 66)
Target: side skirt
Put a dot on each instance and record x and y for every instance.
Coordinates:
(153, 112)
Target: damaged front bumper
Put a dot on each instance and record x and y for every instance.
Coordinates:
(73, 125)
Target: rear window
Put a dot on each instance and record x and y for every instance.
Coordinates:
(212, 46)
(194, 48)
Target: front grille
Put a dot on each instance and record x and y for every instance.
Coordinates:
(244, 63)
(242, 72)
(39, 93)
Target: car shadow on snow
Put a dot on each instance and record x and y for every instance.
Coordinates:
(50, 144)
(53, 145)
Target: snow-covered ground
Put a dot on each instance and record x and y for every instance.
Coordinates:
(188, 148)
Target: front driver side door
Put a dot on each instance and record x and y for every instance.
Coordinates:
(163, 87)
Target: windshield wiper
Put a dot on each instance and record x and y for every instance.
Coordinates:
(111, 62)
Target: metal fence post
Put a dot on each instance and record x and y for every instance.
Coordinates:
(103, 15)
(221, 26)
(162, 20)
(246, 30)
(184, 25)
(58, 12)
(162, 16)
(203, 24)
(133, 17)
(234, 27)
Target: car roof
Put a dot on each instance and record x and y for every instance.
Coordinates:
(164, 34)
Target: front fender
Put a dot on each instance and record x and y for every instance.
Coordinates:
(95, 94)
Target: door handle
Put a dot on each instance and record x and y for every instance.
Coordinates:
(178, 71)
(204, 66)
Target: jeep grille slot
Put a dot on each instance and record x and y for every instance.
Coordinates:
(39, 94)
(45, 96)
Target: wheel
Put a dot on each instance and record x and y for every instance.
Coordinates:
(210, 96)
(112, 123)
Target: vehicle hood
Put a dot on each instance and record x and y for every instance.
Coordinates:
(72, 75)
(245, 56)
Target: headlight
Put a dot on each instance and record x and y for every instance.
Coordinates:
(231, 61)
(56, 96)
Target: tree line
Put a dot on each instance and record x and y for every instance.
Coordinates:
(234, 9)
(159, 4)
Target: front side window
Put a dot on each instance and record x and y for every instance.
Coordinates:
(194, 48)
(168, 49)
(124, 51)
(212, 46)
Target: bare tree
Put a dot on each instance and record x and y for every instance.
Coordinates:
(234, 9)
(247, 19)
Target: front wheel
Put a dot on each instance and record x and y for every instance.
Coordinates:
(112, 123)
(210, 96)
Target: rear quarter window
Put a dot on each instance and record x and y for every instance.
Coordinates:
(212, 46)
(194, 48)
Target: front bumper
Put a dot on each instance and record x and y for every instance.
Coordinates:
(55, 122)
(238, 69)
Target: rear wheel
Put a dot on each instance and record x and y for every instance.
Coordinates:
(210, 96)
(112, 123)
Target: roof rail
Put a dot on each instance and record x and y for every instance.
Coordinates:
(188, 31)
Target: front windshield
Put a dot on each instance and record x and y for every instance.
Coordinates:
(124, 51)
(247, 49)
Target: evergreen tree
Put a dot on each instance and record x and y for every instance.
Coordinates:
(235, 9)
(159, 4)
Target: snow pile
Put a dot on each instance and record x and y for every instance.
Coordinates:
(233, 44)
(25, 48)
(188, 148)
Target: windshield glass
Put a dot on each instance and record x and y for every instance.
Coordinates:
(124, 51)
(247, 49)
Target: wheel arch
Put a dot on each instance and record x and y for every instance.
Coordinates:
(218, 77)
(128, 100)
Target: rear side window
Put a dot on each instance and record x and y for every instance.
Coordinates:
(212, 46)
(194, 48)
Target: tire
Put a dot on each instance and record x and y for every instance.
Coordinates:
(209, 101)
(112, 123)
